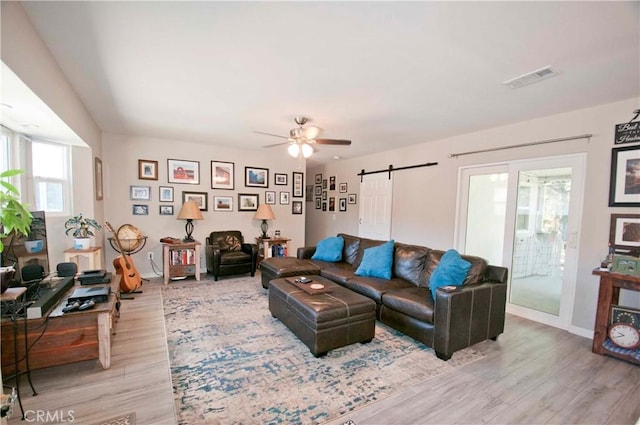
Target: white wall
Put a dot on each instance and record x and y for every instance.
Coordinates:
(25, 53)
(424, 199)
(120, 164)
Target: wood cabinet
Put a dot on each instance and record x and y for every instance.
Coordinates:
(60, 338)
(266, 248)
(610, 285)
(181, 259)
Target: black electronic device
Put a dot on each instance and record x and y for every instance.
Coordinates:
(48, 297)
(99, 294)
(94, 278)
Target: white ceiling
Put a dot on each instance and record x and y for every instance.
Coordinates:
(382, 74)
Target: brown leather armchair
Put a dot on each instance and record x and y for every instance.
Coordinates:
(227, 254)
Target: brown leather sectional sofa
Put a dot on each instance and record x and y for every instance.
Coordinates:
(453, 321)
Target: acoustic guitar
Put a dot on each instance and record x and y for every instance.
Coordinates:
(130, 279)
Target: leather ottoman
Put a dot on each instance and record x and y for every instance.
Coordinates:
(277, 267)
(323, 321)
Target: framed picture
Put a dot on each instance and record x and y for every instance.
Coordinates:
(166, 194)
(166, 209)
(624, 232)
(98, 178)
(296, 207)
(223, 203)
(248, 202)
(332, 183)
(200, 199)
(324, 206)
(624, 190)
(298, 184)
(324, 184)
(140, 209)
(318, 178)
(256, 177)
(222, 175)
(342, 188)
(324, 195)
(332, 203)
(318, 190)
(184, 172)
(140, 193)
(284, 198)
(318, 203)
(269, 197)
(280, 179)
(351, 198)
(147, 169)
(343, 204)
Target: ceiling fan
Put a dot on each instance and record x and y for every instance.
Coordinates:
(302, 139)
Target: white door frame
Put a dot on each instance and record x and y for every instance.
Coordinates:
(577, 162)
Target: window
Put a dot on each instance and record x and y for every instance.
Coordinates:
(51, 182)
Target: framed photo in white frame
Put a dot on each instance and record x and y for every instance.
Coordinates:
(223, 203)
(140, 193)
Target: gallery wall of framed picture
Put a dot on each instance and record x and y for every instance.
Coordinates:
(222, 179)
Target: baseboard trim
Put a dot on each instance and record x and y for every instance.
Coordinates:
(587, 333)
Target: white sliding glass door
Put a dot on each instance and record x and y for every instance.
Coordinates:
(525, 215)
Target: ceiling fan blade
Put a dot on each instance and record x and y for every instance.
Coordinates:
(270, 134)
(342, 142)
(276, 144)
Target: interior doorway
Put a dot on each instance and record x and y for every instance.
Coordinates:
(525, 215)
(376, 198)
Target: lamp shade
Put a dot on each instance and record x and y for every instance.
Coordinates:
(190, 211)
(264, 213)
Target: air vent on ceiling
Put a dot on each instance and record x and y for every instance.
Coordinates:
(531, 77)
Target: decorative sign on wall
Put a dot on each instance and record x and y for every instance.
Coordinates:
(627, 133)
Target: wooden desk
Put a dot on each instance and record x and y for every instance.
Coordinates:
(93, 254)
(65, 338)
(610, 285)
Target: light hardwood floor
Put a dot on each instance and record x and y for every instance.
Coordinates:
(533, 374)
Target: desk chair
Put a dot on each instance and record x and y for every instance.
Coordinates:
(67, 269)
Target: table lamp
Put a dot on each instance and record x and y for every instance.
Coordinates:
(190, 211)
(264, 213)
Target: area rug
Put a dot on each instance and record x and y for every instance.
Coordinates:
(232, 362)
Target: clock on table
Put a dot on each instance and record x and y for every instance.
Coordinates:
(624, 330)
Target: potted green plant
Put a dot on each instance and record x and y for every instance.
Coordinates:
(14, 217)
(81, 229)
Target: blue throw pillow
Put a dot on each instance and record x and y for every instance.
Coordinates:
(377, 261)
(329, 249)
(451, 270)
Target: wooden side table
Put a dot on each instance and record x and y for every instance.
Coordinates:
(610, 284)
(93, 254)
(181, 259)
(264, 247)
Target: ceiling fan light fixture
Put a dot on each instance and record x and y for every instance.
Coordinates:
(307, 150)
(294, 150)
(296, 133)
